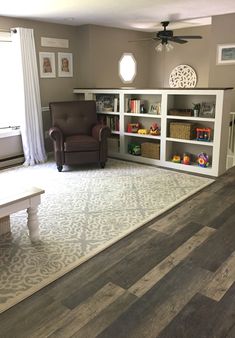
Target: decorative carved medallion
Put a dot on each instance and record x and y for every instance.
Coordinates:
(183, 76)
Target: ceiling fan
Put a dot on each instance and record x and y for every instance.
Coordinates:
(166, 35)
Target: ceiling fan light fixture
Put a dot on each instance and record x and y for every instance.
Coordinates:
(159, 47)
(169, 47)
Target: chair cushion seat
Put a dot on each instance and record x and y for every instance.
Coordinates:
(81, 143)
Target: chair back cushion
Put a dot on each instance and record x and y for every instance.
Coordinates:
(74, 117)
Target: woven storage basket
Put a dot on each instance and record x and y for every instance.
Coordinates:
(151, 150)
(113, 144)
(181, 130)
(180, 112)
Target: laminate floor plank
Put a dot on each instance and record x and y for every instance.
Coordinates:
(20, 318)
(153, 311)
(88, 310)
(148, 256)
(222, 280)
(204, 317)
(106, 317)
(217, 249)
(219, 219)
(159, 271)
(231, 332)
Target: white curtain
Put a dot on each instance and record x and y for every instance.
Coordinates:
(29, 98)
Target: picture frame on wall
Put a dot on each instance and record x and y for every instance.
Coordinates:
(65, 64)
(226, 54)
(47, 65)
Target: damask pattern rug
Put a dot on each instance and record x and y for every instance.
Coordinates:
(83, 211)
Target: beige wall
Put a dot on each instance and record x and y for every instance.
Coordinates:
(100, 49)
(195, 53)
(223, 32)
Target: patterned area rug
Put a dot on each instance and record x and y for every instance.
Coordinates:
(83, 211)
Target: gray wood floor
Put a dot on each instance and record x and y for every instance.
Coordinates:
(174, 277)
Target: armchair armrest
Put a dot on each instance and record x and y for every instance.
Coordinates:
(100, 132)
(57, 136)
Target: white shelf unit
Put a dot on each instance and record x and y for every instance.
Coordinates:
(169, 99)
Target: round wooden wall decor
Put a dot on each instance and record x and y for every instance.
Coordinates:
(183, 76)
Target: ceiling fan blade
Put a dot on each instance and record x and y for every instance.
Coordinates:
(188, 36)
(155, 38)
(177, 40)
(144, 39)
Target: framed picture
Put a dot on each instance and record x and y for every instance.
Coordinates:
(65, 64)
(207, 110)
(155, 108)
(47, 64)
(226, 54)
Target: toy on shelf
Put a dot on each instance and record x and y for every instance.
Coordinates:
(154, 129)
(176, 159)
(143, 131)
(203, 160)
(186, 159)
(133, 127)
(203, 134)
(134, 148)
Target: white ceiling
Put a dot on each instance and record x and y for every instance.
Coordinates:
(144, 15)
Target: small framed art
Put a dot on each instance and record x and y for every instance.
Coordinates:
(65, 64)
(47, 65)
(226, 54)
(155, 108)
(207, 110)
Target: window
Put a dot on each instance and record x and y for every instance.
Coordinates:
(127, 67)
(9, 84)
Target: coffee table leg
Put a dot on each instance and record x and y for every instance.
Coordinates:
(33, 224)
(5, 225)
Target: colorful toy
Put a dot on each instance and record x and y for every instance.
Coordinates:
(143, 131)
(203, 160)
(134, 148)
(133, 127)
(203, 134)
(186, 159)
(154, 129)
(176, 159)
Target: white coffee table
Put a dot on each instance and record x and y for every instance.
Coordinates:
(11, 202)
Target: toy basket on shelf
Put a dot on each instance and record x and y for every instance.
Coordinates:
(150, 150)
(182, 130)
(180, 112)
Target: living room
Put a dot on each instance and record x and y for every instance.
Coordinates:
(97, 50)
(159, 280)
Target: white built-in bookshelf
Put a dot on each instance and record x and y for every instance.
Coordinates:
(122, 108)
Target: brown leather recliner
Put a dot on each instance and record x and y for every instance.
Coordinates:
(77, 136)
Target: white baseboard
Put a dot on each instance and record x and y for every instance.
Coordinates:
(11, 161)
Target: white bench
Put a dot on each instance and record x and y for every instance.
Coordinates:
(18, 200)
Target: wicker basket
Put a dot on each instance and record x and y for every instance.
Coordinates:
(180, 112)
(181, 130)
(113, 144)
(151, 150)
